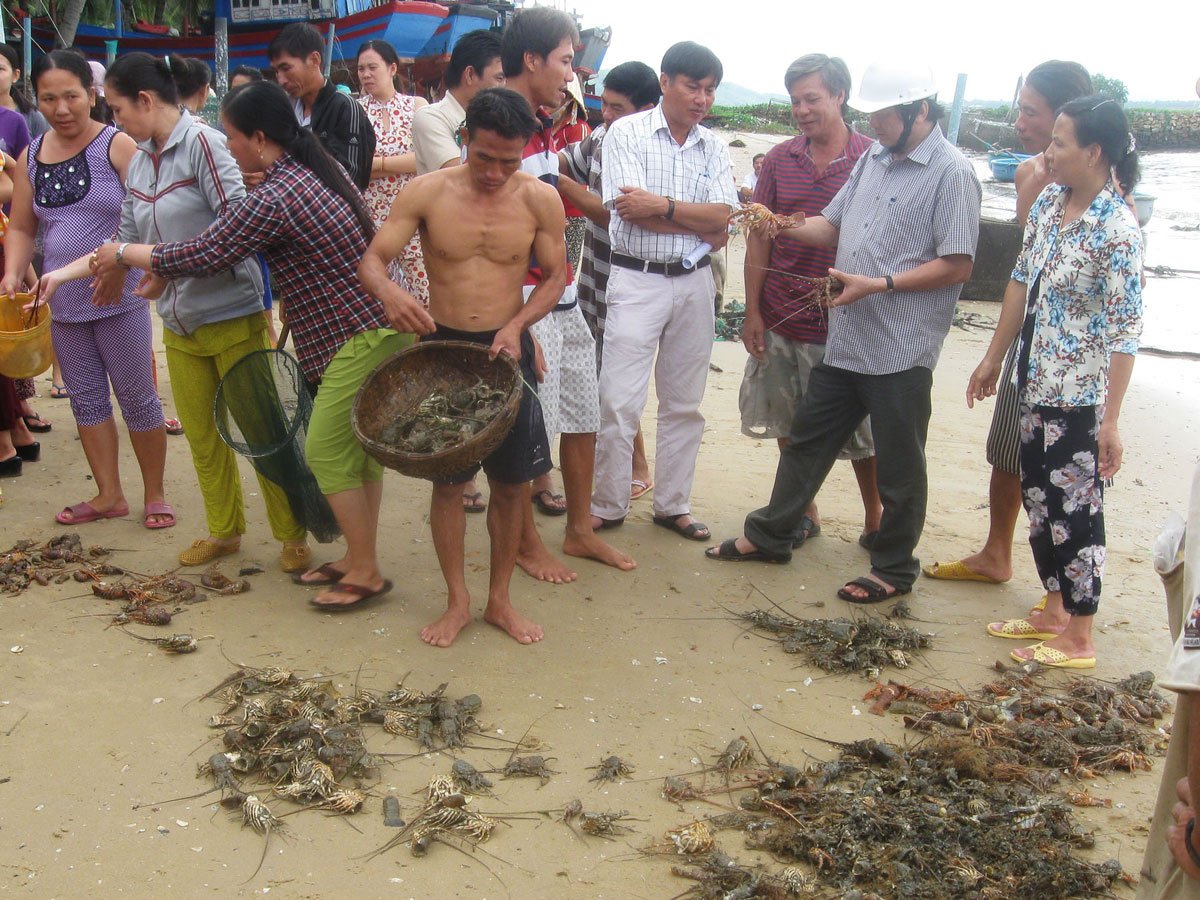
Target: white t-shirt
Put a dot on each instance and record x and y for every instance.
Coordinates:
(750, 181)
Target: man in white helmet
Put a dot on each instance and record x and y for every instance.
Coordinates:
(905, 226)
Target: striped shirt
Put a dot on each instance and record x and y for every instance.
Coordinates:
(641, 153)
(584, 161)
(789, 183)
(894, 215)
(541, 161)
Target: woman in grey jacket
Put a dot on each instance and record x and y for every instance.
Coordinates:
(182, 179)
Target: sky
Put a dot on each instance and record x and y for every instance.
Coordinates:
(1151, 45)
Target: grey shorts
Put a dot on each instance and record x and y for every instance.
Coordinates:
(1004, 437)
(569, 393)
(773, 387)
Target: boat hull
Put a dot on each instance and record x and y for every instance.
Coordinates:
(407, 26)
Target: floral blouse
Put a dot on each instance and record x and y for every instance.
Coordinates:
(1090, 300)
(394, 140)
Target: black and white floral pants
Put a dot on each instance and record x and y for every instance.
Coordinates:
(1064, 498)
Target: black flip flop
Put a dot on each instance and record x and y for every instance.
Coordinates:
(876, 592)
(331, 576)
(476, 505)
(867, 539)
(37, 424)
(542, 504)
(691, 532)
(360, 594)
(727, 551)
(605, 524)
(808, 529)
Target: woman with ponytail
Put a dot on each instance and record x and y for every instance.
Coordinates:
(1075, 300)
(181, 179)
(311, 225)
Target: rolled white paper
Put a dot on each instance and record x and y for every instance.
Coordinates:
(692, 259)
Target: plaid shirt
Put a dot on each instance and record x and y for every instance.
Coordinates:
(312, 243)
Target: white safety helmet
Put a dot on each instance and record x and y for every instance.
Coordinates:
(893, 84)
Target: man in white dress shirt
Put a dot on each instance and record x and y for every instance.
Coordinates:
(667, 178)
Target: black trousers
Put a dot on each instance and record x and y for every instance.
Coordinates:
(837, 400)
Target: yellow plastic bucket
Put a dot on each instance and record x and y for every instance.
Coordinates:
(25, 351)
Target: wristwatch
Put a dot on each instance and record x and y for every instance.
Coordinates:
(670, 209)
(1187, 842)
(891, 283)
(120, 257)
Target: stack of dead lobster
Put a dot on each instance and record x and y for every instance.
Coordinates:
(302, 740)
(57, 560)
(840, 645)
(973, 810)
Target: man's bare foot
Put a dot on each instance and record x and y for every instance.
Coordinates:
(588, 546)
(443, 632)
(542, 565)
(521, 629)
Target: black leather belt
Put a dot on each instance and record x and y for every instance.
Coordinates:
(671, 270)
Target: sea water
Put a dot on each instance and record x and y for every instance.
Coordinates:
(1172, 302)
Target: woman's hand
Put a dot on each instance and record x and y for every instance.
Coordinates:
(983, 382)
(11, 285)
(107, 288)
(104, 259)
(151, 286)
(46, 286)
(1111, 450)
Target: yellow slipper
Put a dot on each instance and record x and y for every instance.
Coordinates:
(205, 550)
(1019, 630)
(1056, 659)
(956, 571)
(295, 559)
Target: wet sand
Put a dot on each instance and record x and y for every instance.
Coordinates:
(646, 665)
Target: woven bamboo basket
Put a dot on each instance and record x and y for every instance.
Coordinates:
(402, 381)
(26, 349)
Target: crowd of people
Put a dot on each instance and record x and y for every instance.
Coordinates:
(419, 218)
(497, 216)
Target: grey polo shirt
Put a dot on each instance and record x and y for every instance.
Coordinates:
(894, 215)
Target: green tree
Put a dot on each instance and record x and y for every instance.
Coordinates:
(1111, 87)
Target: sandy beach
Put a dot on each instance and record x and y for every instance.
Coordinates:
(648, 665)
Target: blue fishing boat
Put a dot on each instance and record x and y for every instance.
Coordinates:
(408, 25)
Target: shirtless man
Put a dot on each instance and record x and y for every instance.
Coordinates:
(479, 224)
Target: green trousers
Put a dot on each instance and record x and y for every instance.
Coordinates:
(197, 363)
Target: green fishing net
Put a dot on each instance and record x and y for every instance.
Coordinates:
(262, 410)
